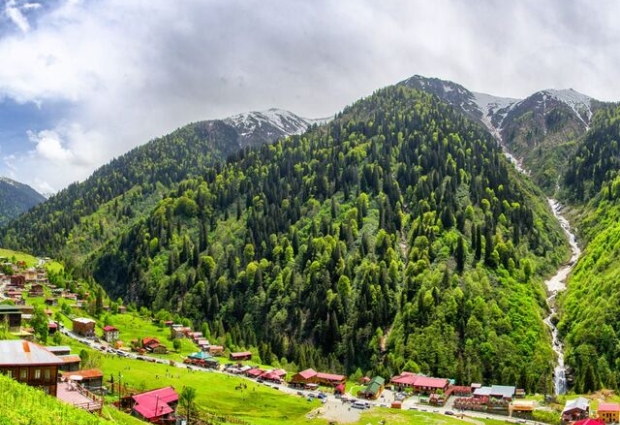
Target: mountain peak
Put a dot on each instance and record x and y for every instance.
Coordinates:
(271, 121)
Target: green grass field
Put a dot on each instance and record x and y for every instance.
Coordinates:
(19, 256)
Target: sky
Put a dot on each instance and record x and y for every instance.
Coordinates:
(84, 81)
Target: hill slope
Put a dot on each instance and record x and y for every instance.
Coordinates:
(79, 219)
(397, 236)
(541, 130)
(15, 199)
(592, 183)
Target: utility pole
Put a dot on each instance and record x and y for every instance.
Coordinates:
(120, 377)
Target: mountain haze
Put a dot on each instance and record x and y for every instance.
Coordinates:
(15, 199)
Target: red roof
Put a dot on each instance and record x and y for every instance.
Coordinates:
(154, 404)
(330, 376)
(109, 329)
(255, 372)
(279, 372)
(270, 376)
(425, 381)
(86, 374)
(609, 407)
(148, 341)
(405, 378)
(72, 358)
(308, 373)
(589, 421)
(241, 354)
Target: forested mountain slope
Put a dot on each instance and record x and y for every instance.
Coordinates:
(542, 130)
(397, 236)
(591, 306)
(16, 198)
(77, 220)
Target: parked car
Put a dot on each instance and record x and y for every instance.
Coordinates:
(360, 405)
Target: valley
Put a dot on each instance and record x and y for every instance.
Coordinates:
(395, 238)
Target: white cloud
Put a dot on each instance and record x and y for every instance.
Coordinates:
(13, 12)
(133, 70)
(50, 147)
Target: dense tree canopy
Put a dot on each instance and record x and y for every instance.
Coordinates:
(395, 237)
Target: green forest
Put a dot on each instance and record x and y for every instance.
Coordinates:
(397, 237)
(590, 308)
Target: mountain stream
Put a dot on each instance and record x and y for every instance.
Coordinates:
(556, 284)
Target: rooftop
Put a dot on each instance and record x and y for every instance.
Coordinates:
(577, 403)
(18, 352)
(84, 320)
(502, 391)
(86, 374)
(307, 374)
(153, 404)
(608, 407)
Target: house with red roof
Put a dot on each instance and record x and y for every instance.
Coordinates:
(330, 379)
(419, 383)
(110, 333)
(405, 379)
(243, 355)
(310, 376)
(304, 377)
(428, 385)
(609, 412)
(155, 405)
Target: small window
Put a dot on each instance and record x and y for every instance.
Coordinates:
(9, 373)
(37, 374)
(47, 374)
(23, 374)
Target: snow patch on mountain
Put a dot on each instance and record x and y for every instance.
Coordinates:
(493, 106)
(580, 103)
(271, 120)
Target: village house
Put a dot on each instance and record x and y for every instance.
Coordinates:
(36, 290)
(177, 331)
(30, 275)
(576, 409)
(243, 355)
(51, 301)
(374, 388)
(609, 412)
(31, 364)
(214, 350)
(91, 379)
(110, 333)
(12, 316)
(18, 281)
(310, 376)
(84, 326)
(156, 405)
(154, 346)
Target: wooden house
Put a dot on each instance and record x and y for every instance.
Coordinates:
(609, 412)
(12, 316)
(31, 364)
(243, 355)
(91, 379)
(110, 333)
(84, 326)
